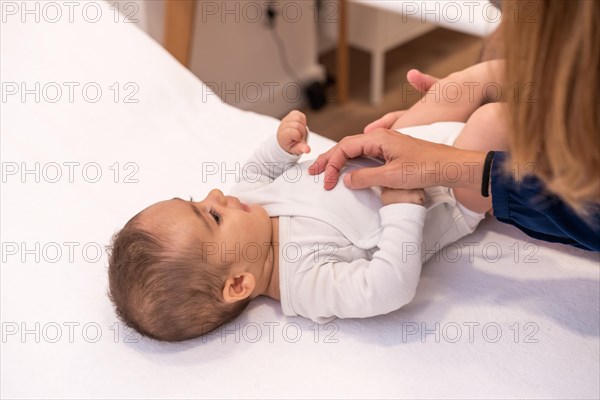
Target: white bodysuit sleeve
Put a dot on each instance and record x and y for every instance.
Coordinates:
(362, 287)
(267, 163)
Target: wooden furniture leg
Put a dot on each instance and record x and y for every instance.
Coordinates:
(179, 24)
(342, 53)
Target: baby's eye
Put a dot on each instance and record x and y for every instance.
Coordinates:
(215, 215)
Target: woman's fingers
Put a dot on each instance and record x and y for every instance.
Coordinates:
(409, 163)
(334, 160)
(320, 163)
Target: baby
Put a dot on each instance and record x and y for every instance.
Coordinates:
(179, 269)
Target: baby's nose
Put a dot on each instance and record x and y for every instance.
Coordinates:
(218, 195)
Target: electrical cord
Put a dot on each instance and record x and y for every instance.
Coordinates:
(315, 91)
(283, 56)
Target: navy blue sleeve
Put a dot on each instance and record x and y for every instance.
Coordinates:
(527, 205)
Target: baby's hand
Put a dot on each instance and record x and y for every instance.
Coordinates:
(292, 133)
(411, 196)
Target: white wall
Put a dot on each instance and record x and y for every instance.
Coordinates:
(234, 53)
(148, 13)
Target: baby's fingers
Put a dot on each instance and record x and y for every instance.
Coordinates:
(295, 133)
(295, 116)
(300, 148)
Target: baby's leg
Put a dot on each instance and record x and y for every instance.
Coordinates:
(452, 98)
(485, 130)
(429, 110)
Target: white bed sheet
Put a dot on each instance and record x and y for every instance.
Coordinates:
(538, 302)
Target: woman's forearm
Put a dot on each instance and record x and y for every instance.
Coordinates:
(458, 168)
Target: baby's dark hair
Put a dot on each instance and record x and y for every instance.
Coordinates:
(166, 291)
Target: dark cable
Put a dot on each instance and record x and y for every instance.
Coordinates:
(282, 55)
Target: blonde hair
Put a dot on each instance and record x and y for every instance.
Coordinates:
(552, 50)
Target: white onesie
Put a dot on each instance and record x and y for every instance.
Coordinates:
(342, 253)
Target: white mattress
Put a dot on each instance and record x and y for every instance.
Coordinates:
(497, 315)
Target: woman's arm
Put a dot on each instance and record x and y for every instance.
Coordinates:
(413, 163)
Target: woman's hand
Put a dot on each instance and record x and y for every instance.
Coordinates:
(292, 134)
(410, 163)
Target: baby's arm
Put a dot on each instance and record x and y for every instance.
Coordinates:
(292, 134)
(278, 152)
(363, 288)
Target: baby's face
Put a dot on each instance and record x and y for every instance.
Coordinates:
(228, 231)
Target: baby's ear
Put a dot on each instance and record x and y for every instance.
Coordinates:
(238, 287)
